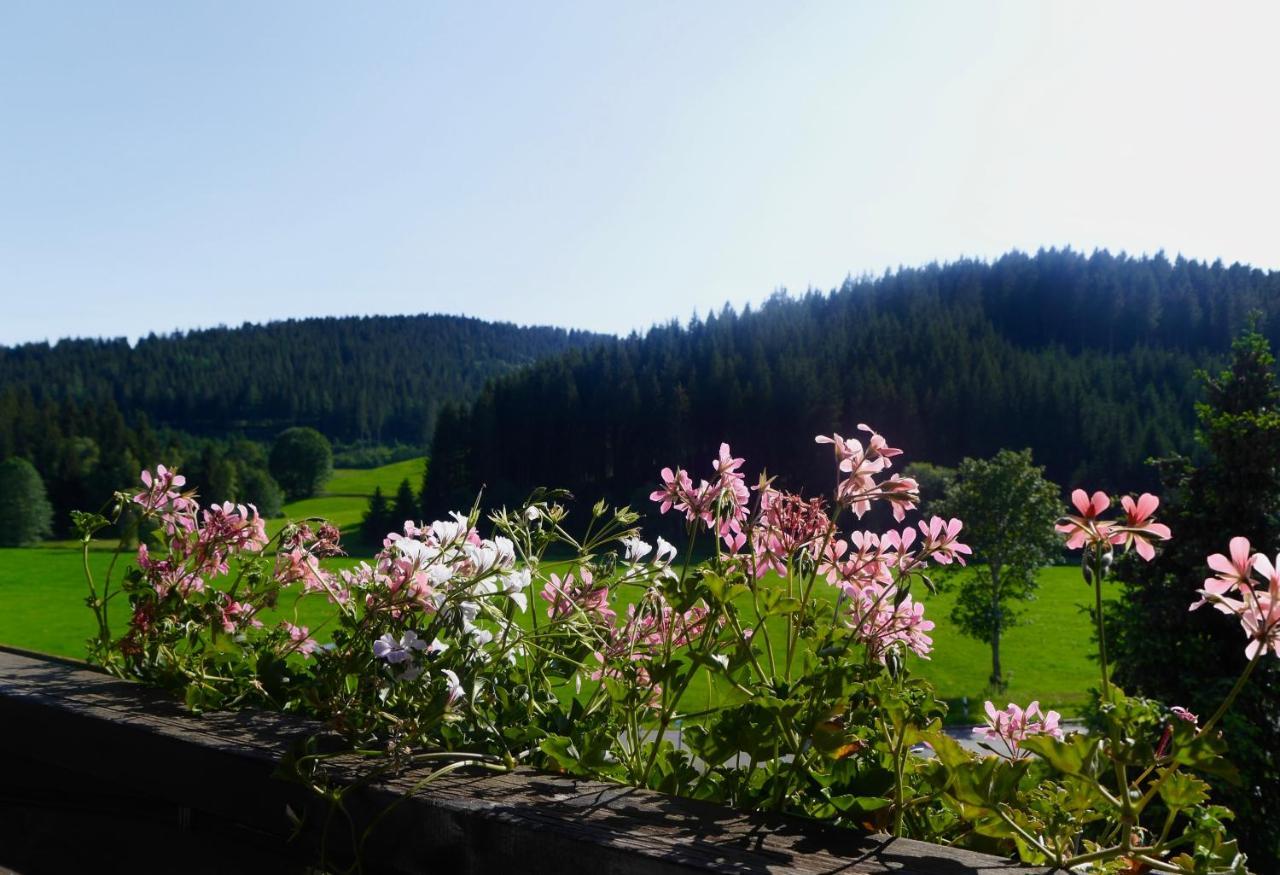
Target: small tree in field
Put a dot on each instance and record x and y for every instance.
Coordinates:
(377, 519)
(25, 513)
(301, 462)
(1009, 510)
(405, 506)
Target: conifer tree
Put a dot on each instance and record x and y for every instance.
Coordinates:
(406, 506)
(1190, 658)
(377, 519)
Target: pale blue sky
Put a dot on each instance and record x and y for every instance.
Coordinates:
(603, 165)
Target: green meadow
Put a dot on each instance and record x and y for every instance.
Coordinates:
(42, 592)
(346, 495)
(42, 608)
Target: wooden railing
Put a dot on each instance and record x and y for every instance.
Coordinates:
(103, 775)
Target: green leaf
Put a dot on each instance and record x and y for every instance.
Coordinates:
(948, 750)
(1180, 790)
(558, 748)
(87, 524)
(1077, 754)
(1205, 753)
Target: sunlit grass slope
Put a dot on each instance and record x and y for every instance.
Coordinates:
(346, 495)
(42, 608)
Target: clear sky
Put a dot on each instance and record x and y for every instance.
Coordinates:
(603, 165)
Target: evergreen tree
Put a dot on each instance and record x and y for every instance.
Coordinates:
(378, 379)
(377, 521)
(25, 513)
(1192, 658)
(949, 361)
(1008, 509)
(405, 506)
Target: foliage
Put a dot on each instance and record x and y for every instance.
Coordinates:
(1088, 360)
(25, 513)
(1011, 508)
(933, 481)
(394, 371)
(301, 461)
(432, 661)
(404, 507)
(1165, 652)
(377, 519)
(260, 489)
(363, 454)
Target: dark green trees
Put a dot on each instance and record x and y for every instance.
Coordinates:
(301, 461)
(1008, 509)
(258, 488)
(377, 521)
(947, 361)
(1190, 659)
(405, 506)
(25, 513)
(379, 379)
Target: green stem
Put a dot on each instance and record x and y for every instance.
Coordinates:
(1036, 843)
(1209, 724)
(1102, 635)
(1231, 696)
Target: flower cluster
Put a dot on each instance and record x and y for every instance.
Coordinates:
(442, 567)
(867, 567)
(565, 597)
(721, 504)
(161, 494)
(1009, 727)
(1233, 590)
(859, 465)
(198, 546)
(881, 616)
(649, 629)
(1136, 530)
(788, 526)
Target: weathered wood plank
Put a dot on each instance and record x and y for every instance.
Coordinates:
(212, 776)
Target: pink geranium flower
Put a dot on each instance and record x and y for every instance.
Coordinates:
(1257, 607)
(1138, 528)
(1084, 526)
(303, 643)
(881, 619)
(1008, 728)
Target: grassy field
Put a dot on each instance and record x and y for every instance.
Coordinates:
(42, 589)
(346, 495)
(42, 608)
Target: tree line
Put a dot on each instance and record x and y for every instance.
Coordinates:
(1089, 360)
(87, 415)
(378, 379)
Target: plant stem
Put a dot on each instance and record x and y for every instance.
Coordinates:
(1231, 696)
(1102, 634)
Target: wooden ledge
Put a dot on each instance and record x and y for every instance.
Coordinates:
(105, 775)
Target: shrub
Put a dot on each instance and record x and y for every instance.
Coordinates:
(301, 462)
(25, 513)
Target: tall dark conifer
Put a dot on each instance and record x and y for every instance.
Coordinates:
(1192, 658)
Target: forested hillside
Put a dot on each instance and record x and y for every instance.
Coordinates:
(378, 378)
(89, 413)
(1088, 360)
